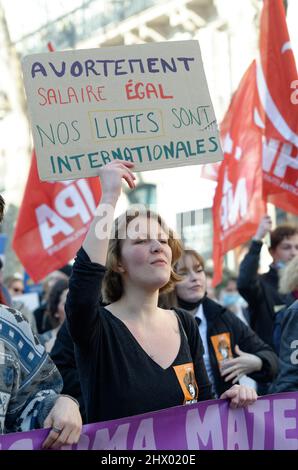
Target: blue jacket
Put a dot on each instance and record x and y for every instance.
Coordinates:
(287, 379)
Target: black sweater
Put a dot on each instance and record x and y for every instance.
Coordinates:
(118, 378)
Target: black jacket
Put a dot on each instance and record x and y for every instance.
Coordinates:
(117, 377)
(63, 356)
(261, 293)
(219, 321)
(287, 379)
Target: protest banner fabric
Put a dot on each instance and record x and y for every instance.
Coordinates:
(269, 424)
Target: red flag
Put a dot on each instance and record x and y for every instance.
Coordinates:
(277, 111)
(238, 205)
(53, 220)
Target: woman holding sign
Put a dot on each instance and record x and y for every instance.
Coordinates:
(133, 357)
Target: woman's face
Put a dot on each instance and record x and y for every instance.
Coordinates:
(16, 288)
(60, 315)
(145, 254)
(193, 285)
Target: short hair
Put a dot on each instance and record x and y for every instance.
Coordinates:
(2, 206)
(280, 233)
(289, 277)
(112, 286)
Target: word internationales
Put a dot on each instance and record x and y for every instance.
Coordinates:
(142, 154)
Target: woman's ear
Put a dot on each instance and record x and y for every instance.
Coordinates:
(120, 268)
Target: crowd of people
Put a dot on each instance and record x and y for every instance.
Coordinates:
(134, 326)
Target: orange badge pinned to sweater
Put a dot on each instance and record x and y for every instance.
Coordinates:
(186, 376)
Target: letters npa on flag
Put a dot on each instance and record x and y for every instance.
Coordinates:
(260, 139)
(53, 220)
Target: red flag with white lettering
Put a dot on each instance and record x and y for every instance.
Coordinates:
(238, 205)
(277, 110)
(53, 220)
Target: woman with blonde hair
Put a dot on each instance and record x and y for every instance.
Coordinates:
(286, 332)
(288, 286)
(288, 282)
(133, 357)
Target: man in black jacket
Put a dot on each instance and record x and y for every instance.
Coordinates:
(261, 291)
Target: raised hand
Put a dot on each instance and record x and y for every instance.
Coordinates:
(97, 239)
(264, 227)
(111, 177)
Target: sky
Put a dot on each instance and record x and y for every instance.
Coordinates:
(32, 14)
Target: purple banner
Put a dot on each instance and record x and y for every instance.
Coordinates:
(271, 423)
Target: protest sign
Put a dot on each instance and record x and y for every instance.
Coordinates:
(148, 104)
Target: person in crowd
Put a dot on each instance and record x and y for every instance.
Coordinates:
(261, 291)
(287, 379)
(286, 332)
(232, 349)
(30, 383)
(55, 313)
(43, 323)
(132, 356)
(288, 285)
(5, 297)
(209, 286)
(15, 286)
(232, 300)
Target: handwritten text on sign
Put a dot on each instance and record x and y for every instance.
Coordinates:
(148, 104)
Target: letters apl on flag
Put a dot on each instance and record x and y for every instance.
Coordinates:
(53, 220)
(238, 205)
(277, 111)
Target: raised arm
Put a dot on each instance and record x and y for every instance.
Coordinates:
(248, 282)
(88, 270)
(97, 239)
